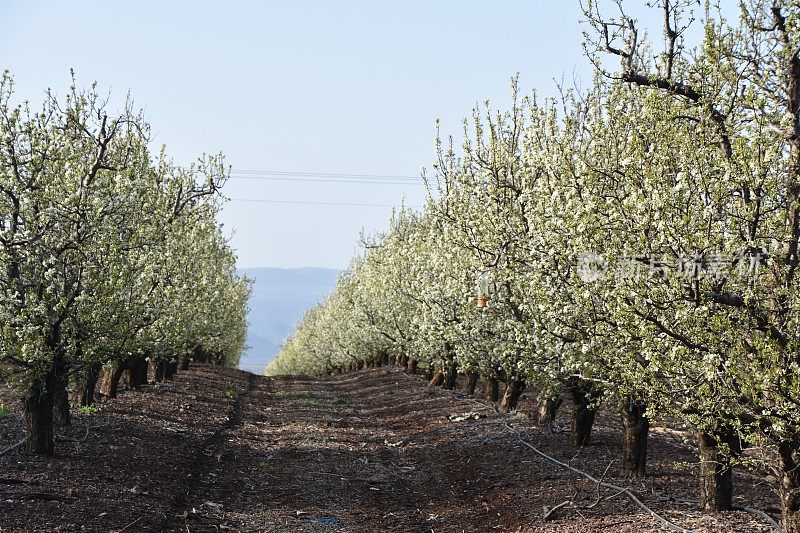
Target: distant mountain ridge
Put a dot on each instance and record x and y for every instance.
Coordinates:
(280, 298)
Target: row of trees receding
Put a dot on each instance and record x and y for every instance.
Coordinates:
(111, 257)
(635, 244)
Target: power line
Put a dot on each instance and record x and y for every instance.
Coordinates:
(258, 200)
(331, 180)
(323, 174)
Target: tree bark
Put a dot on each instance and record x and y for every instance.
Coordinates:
(38, 402)
(60, 380)
(716, 473)
(514, 389)
(159, 370)
(86, 385)
(436, 380)
(110, 384)
(492, 391)
(137, 373)
(450, 377)
(472, 383)
(184, 363)
(546, 409)
(412, 365)
(170, 368)
(788, 452)
(636, 429)
(429, 373)
(583, 394)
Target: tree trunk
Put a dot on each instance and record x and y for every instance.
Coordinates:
(790, 485)
(636, 428)
(412, 365)
(403, 361)
(159, 370)
(170, 368)
(39, 418)
(60, 380)
(472, 382)
(514, 389)
(546, 409)
(85, 386)
(450, 377)
(110, 385)
(137, 373)
(184, 363)
(716, 473)
(385, 358)
(583, 394)
(492, 391)
(436, 380)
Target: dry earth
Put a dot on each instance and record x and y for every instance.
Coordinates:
(376, 450)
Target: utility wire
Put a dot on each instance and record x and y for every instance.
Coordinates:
(321, 180)
(257, 172)
(258, 200)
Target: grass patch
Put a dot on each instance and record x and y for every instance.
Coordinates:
(4, 412)
(230, 393)
(87, 409)
(313, 401)
(338, 400)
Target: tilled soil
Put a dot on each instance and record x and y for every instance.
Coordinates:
(376, 450)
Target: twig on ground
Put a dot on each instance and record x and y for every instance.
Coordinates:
(549, 512)
(12, 448)
(611, 486)
(131, 524)
(736, 506)
(599, 497)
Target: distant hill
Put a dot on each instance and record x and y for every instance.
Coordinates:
(280, 297)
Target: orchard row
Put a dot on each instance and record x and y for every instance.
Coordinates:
(111, 256)
(689, 151)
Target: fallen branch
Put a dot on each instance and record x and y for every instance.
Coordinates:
(549, 512)
(751, 510)
(621, 490)
(599, 486)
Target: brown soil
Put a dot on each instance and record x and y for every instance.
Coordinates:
(376, 450)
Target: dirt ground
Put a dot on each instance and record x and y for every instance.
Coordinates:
(376, 450)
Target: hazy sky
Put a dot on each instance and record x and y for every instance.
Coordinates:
(331, 87)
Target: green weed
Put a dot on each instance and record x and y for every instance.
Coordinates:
(313, 401)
